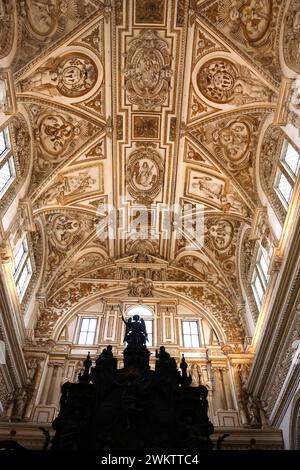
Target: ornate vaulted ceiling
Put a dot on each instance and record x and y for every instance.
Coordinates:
(144, 102)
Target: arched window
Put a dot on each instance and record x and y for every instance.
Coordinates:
(22, 269)
(7, 168)
(144, 312)
(287, 172)
(279, 170)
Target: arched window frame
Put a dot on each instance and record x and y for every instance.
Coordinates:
(7, 164)
(148, 318)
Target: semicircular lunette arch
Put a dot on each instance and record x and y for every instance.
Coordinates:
(78, 295)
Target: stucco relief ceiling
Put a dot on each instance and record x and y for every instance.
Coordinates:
(148, 102)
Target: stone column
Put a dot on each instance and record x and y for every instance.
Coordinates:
(240, 397)
(227, 390)
(202, 336)
(218, 393)
(47, 383)
(35, 385)
(51, 390)
(57, 384)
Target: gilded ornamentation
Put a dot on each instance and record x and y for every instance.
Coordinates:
(43, 17)
(93, 39)
(144, 174)
(222, 81)
(97, 151)
(203, 43)
(96, 103)
(215, 191)
(44, 22)
(233, 140)
(205, 271)
(73, 184)
(291, 36)
(79, 267)
(217, 306)
(148, 70)
(251, 25)
(66, 298)
(249, 19)
(6, 27)
(180, 13)
(233, 143)
(119, 12)
(269, 156)
(71, 75)
(220, 232)
(56, 134)
(64, 231)
(140, 287)
(197, 107)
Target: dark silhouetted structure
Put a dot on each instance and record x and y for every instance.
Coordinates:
(134, 408)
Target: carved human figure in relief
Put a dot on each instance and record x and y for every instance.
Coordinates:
(71, 75)
(223, 81)
(221, 233)
(208, 187)
(246, 20)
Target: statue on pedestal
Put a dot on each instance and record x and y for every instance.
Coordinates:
(136, 333)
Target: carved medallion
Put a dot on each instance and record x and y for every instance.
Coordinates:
(148, 70)
(291, 36)
(43, 16)
(56, 134)
(6, 27)
(222, 81)
(254, 19)
(216, 80)
(63, 230)
(144, 174)
(221, 233)
(234, 140)
(247, 18)
(72, 75)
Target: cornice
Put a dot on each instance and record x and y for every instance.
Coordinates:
(13, 341)
(277, 327)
